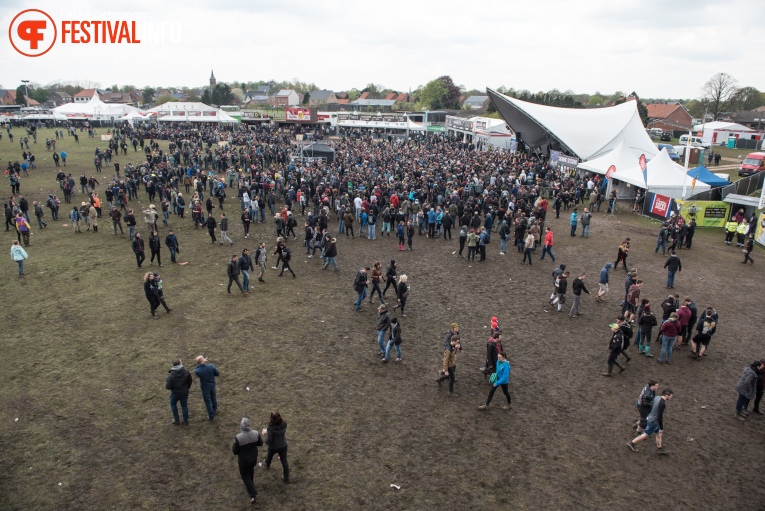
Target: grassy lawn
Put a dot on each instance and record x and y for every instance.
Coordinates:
(84, 416)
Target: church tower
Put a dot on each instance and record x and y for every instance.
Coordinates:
(212, 81)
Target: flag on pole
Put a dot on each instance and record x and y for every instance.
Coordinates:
(693, 183)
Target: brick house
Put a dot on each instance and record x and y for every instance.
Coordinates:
(669, 117)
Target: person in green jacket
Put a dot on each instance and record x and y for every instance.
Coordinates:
(472, 243)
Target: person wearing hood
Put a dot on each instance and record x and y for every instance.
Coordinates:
(603, 282)
(277, 443)
(246, 448)
(747, 388)
(178, 383)
(673, 265)
(390, 277)
(504, 234)
(502, 370)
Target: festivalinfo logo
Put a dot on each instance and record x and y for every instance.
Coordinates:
(34, 32)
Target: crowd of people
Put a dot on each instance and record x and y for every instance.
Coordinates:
(423, 188)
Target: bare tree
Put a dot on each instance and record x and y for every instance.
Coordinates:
(718, 93)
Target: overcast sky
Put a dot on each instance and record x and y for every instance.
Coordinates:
(654, 47)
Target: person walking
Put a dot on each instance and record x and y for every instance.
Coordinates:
(561, 285)
(360, 286)
(501, 377)
(224, 229)
(116, 218)
(705, 328)
(152, 293)
(245, 265)
(394, 340)
(261, 256)
(603, 282)
(645, 404)
(23, 229)
(376, 276)
(245, 446)
(286, 255)
(451, 346)
(577, 287)
(18, 254)
(528, 246)
(548, 244)
(155, 245)
(330, 254)
(178, 383)
(748, 249)
(138, 249)
(232, 270)
(654, 422)
(275, 435)
(646, 321)
(171, 241)
(673, 265)
(390, 277)
(747, 388)
(206, 373)
(212, 224)
(585, 221)
(615, 347)
(402, 293)
(383, 323)
(624, 249)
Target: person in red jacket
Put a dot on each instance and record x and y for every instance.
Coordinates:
(684, 317)
(548, 244)
(670, 329)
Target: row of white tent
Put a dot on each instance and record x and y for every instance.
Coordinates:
(97, 110)
(601, 138)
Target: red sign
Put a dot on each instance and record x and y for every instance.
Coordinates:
(610, 171)
(32, 32)
(642, 162)
(660, 205)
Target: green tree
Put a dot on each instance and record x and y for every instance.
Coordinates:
(306, 98)
(596, 100)
(165, 99)
(642, 110)
(221, 95)
(452, 99)
(353, 94)
(148, 94)
(40, 95)
(20, 91)
(747, 98)
(206, 99)
(434, 95)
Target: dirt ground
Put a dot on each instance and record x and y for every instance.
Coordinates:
(86, 364)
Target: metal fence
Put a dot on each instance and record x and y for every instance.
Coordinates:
(744, 186)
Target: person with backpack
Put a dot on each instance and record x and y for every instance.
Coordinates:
(670, 329)
(654, 422)
(178, 383)
(360, 286)
(501, 379)
(644, 404)
(286, 255)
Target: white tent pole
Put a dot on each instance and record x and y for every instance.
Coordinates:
(687, 160)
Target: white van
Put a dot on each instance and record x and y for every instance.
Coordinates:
(695, 142)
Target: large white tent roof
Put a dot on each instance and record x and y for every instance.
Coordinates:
(184, 111)
(95, 109)
(722, 125)
(663, 175)
(587, 133)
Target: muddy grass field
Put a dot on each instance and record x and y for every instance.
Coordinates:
(85, 422)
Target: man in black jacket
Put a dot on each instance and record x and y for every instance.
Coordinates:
(211, 225)
(178, 383)
(245, 265)
(360, 286)
(615, 346)
(673, 265)
(138, 249)
(246, 447)
(233, 274)
(172, 244)
(577, 286)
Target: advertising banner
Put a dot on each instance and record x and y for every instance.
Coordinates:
(658, 206)
(759, 233)
(706, 213)
(298, 114)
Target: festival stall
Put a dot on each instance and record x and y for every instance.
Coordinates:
(93, 110)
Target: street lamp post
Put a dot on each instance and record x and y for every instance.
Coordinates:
(26, 91)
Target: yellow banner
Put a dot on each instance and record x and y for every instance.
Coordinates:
(759, 233)
(706, 213)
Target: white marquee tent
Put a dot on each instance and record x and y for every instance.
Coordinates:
(718, 131)
(664, 176)
(180, 111)
(134, 116)
(587, 133)
(93, 110)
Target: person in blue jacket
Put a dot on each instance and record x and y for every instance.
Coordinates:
(432, 217)
(503, 379)
(206, 374)
(574, 220)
